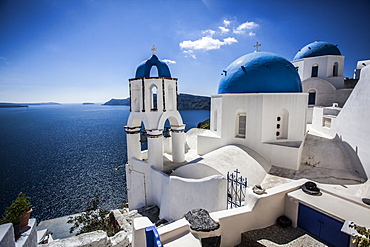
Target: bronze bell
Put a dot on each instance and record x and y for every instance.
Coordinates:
(143, 137)
(166, 132)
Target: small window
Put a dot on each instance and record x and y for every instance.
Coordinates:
(315, 70)
(153, 98)
(242, 125)
(335, 69)
(312, 97)
(282, 124)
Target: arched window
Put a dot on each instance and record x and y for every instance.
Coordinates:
(315, 70)
(153, 98)
(312, 97)
(153, 71)
(135, 101)
(282, 121)
(241, 128)
(170, 102)
(335, 69)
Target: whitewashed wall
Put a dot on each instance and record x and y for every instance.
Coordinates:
(261, 111)
(174, 195)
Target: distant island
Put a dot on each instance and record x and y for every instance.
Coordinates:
(7, 105)
(87, 103)
(185, 102)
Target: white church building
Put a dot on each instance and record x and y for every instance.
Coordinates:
(258, 127)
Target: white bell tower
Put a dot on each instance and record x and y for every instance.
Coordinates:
(153, 100)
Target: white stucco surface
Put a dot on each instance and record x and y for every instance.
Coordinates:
(7, 235)
(352, 124)
(227, 159)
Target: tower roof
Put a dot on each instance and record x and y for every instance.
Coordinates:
(317, 48)
(143, 70)
(260, 72)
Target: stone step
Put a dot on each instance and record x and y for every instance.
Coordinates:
(275, 236)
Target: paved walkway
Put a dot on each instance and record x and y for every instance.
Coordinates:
(276, 236)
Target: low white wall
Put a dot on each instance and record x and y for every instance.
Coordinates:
(7, 235)
(260, 212)
(174, 195)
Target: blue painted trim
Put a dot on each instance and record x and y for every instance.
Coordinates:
(152, 237)
(143, 70)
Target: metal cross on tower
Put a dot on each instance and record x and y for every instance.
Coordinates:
(154, 49)
(257, 45)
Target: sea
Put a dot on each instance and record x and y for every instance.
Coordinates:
(63, 155)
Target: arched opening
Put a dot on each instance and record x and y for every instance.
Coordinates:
(241, 124)
(135, 102)
(143, 138)
(335, 69)
(315, 70)
(215, 120)
(153, 98)
(170, 101)
(282, 121)
(153, 71)
(312, 97)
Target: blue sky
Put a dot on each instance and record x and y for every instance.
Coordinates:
(86, 50)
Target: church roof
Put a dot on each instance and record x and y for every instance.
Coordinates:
(260, 72)
(143, 70)
(317, 48)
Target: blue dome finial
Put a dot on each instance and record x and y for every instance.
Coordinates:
(143, 70)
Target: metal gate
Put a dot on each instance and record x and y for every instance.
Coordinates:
(236, 186)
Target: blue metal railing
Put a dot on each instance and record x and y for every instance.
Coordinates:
(152, 237)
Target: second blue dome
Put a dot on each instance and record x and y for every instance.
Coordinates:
(260, 72)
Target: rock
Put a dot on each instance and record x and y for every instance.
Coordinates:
(200, 220)
(91, 239)
(151, 212)
(121, 239)
(118, 221)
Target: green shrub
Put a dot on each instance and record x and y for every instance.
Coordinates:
(15, 212)
(92, 219)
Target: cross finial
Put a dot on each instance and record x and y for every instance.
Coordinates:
(257, 45)
(153, 49)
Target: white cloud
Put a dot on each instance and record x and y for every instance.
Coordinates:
(206, 43)
(209, 32)
(251, 33)
(168, 61)
(224, 29)
(227, 23)
(246, 25)
(190, 53)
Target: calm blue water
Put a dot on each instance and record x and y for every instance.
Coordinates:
(62, 156)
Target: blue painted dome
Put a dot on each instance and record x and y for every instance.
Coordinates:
(260, 72)
(143, 70)
(317, 48)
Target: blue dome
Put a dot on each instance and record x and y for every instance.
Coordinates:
(260, 72)
(143, 70)
(317, 48)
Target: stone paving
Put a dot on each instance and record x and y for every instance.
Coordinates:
(277, 236)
